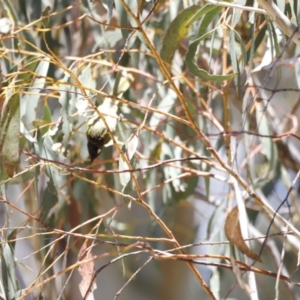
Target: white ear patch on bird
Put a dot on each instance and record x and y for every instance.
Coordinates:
(99, 132)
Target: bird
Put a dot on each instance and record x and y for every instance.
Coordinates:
(99, 131)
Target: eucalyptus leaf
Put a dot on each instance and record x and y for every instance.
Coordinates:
(178, 29)
(129, 150)
(266, 171)
(8, 265)
(67, 108)
(195, 70)
(165, 105)
(9, 134)
(109, 5)
(30, 100)
(237, 12)
(123, 18)
(208, 19)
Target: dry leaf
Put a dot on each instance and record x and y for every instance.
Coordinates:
(234, 234)
(86, 270)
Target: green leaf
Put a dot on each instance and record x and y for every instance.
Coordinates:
(52, 195)
(237, 12)
(29, 175)
(86, 78)
(46, 151)
(9, 134)
(45, 13)
(45, 122)
(179, 28)
(234, 56)
(49, 200)
(30, 100)
(26, 71)
(274, 39)
(233, 46)
(190, 184)
(129, 149)
(122, 83)
(260, 38)
(214, 221)
(10, 282)
(47, 113)
(207, 19)
(164, 106)
(124, 17)
(67, 107)
(266, 171)
(109, 5)
(195, 70)
(26, 36)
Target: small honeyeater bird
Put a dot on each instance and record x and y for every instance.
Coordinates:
(99, 132)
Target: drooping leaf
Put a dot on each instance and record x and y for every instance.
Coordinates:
(26, 35)
(234, 55)
(189, 185)
(207, 19)
(274, 41)
(9, 277)
(86, 271)
(195, 70)
(267, 170)
(26, 71)
(237, 13)
(129, 150)
(125, 18)
(45, 16)
(179, 28)
(166, 104)
(237, 57)
(52, 195)
(122, 83)
(234, 234)
(67, 107)
(30, 100)
(87, 81)
(214, 220)
(9, 134)
(109, 5)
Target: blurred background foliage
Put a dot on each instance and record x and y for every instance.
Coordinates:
(208, 104)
